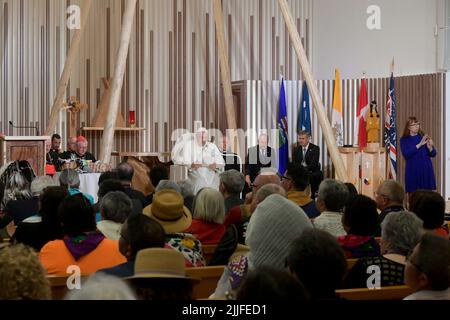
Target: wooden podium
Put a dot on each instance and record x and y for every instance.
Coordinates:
(373, 168)
(352, 158)
(30, 148)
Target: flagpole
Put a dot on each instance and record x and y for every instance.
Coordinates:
(336, 158)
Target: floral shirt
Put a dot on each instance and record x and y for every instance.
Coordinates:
(189, 246)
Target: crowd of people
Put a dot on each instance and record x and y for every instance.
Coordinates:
(136, 246)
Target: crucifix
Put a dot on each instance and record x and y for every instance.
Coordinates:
(73, 106)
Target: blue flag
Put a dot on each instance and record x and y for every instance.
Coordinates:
(390, 132)
(283, 151)
(304, 117)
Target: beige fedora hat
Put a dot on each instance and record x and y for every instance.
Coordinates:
(169, 210)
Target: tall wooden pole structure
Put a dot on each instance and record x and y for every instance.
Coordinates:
(225, 71)
(338, 163)
(68, 65)
(117, 82)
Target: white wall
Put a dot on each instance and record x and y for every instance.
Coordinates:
(341, 38)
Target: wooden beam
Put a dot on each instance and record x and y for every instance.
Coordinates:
(230, 111)
(68, 65)
(336, 158)
(117, 82)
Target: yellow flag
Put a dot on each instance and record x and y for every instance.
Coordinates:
(336, 118)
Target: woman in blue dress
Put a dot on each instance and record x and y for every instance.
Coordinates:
(417, 149)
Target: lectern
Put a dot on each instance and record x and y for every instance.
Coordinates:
(373, 168)
(352, 158)
(30, 148)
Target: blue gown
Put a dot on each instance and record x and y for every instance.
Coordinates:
(419, 173)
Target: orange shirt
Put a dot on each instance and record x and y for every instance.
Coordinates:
(55, 257)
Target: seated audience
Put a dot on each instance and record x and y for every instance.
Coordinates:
(296, 184)
(82, 244)
(389, 198)
(167, 185)
(160, 275)
(168, 209)
(69, 178)
(102, 286)
(275, 224)
(427, 270)
(37, 233)
(156, 174)
(187, 191)
(115, 207)
(361, 223)
(22, 275)
(352, 192)
(19, 201)
(268, 284)
(400, 232)
(108, 175)
(317, 260)
(231, 184)
(209, 213)
(236, 214)
(331, 198)
(138, 232)
(126, 173)
(430, 207)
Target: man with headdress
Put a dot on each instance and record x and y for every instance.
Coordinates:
(202, 158)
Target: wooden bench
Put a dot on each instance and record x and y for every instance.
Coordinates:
(58, 285)
(208, 251)
(209, 276)
(385, 293)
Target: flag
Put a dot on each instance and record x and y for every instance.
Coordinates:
(336, 118)
(304, 117)
(390, 131)
(363, 107)
(283, 146)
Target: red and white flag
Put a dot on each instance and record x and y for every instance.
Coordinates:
(361, 113)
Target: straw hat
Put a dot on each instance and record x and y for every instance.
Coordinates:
(160, 263)
(169, 210)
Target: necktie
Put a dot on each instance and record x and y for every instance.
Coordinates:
(303, 159)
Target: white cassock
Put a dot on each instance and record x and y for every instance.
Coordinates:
(188, 151)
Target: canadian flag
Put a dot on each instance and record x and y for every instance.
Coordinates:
(361, 114)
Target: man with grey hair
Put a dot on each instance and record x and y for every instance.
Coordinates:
(330, 201)
(187, 191)
(389, 198)
(115, 207)
(69, 179)
(231, 185)
(259, 156)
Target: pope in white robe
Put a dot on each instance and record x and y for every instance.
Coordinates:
(202, 158)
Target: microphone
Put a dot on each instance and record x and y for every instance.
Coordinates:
(24, 127)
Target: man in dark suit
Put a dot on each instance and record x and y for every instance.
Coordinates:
(231, 159)
(259, 156)
(307, 155)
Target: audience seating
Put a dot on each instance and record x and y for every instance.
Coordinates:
(208, 276)
(208, 251)
(385, 293)
(58, 285)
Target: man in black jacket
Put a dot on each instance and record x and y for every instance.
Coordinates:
(307, 155)
(259, 156)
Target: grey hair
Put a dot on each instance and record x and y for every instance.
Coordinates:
(401, 231)
(101, 286)
(392, 190)
(39, 184)
(209, 206)
(333, 193)
(304, 133)
(167, 184)
(69, 178)
(115, 206)
(268, 189)
(186, 188)
(233, 181)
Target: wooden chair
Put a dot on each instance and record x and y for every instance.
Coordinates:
(208, 251)
(209, 276)
(385, 293)
(58, 285)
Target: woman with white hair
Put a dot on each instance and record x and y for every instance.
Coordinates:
(400, 233)
(209, 214)
(274, 225)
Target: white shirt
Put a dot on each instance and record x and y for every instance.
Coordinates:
(331, 222)
(304, 150)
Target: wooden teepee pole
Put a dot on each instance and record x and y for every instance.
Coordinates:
(70, 60)
(117, 82)
(338, 163)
